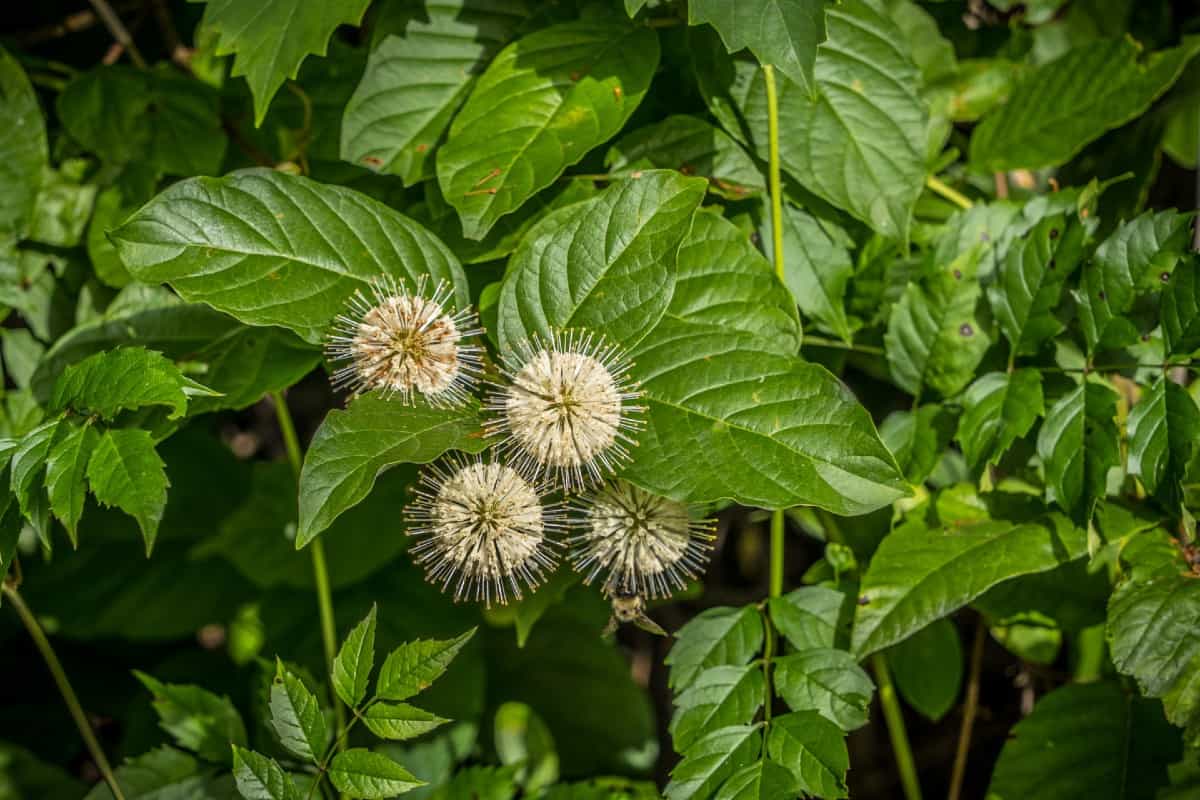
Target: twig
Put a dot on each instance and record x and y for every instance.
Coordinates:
(118, 31)
(969, 711)
(1001, 185)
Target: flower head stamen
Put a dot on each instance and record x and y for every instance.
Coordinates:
(483, 529)
(406, 343)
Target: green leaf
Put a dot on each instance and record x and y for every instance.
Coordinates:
(159, 118)
(400, 721)
(1163, 429)
(523, 740)
(27, 462)
(813, 617)
(1078, 444)
(296, 716)
(919, 575)
(164, 773)
(758, 781)
(199, 720)
(720, 696)
(63, 206)
(260, 778)
(1180, 311)
(484, 783)
(1030, 282)
(362, 773)
(827, 681)
(66, 473)
(782, 33)
(1066, 103)
(998, 409)
(934, 338)
(354, 662)
(1083, 741)
(269, 39)
(541, 105)
(817, 268)
(928, 668)
(127, 378)
(414, 666)
(713, 759)
(606, 264)
(717, 636)
(1154, 626)
(417, 77)
(354, 445)
(529, 609)
(814, 749)
(692, 146)
(276, 249)
(126, 472)
(918, 438)
(24, 153)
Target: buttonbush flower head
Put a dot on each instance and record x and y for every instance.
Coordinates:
(646, 545)
(568, 409)
(406, 343)
(484, 529)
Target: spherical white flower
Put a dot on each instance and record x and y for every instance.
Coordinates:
(406, 343)
(568, 409)
(647, 546)
(483, 528)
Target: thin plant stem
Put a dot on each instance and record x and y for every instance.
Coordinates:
(320, 570)
(949, 192)
(118, 31)
(777, 530)
(773, 173)
(838, 344)
(970, 708)
(895, 723)
(64, 687)
(768, 654)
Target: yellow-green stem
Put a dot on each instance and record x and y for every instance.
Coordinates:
(773, 175)
(895, 723)
(317, 548)
(64, 687)
(949, 192)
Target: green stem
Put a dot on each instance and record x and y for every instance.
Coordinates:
(768, 654)
(949, 192)
(777, 520)
(895, 723)
(773, 173)
(64, 688)
(838, 344)
(320, 571)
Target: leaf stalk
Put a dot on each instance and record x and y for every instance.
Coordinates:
(895, 723)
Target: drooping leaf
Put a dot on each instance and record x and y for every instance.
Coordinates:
(125, 471)
(758, 781)
(1086, 740)
(928, 668)
(782, 33)
(919, 575)
(1180, 310)
(1078, 443)
(712, 760)
(296, 716)
(261, 778)
(541, 105)
(354, 662)
(827, 681)
(813, 617)
(127, 378)
(692, 146)
(1153, 633)
(1163, 429)
(276, 249)
(66, 473)
(27, 463)
(354, 445)
(366, 774)
(417, 77)
(400, 721)
(606, 264)
(200, 721)
(1066, 103)
(814, 749)
(817, 269)
(24, 153)
(998, 409)
(269, 39)
(718, 636)
(413, 667)
(720, 696)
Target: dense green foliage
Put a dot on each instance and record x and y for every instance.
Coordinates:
(900, 298)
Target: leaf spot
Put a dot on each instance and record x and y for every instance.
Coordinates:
(966, 330)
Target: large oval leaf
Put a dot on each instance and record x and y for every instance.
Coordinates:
(606, 264)
(276, 249)
(23, 149)
(542, 104)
